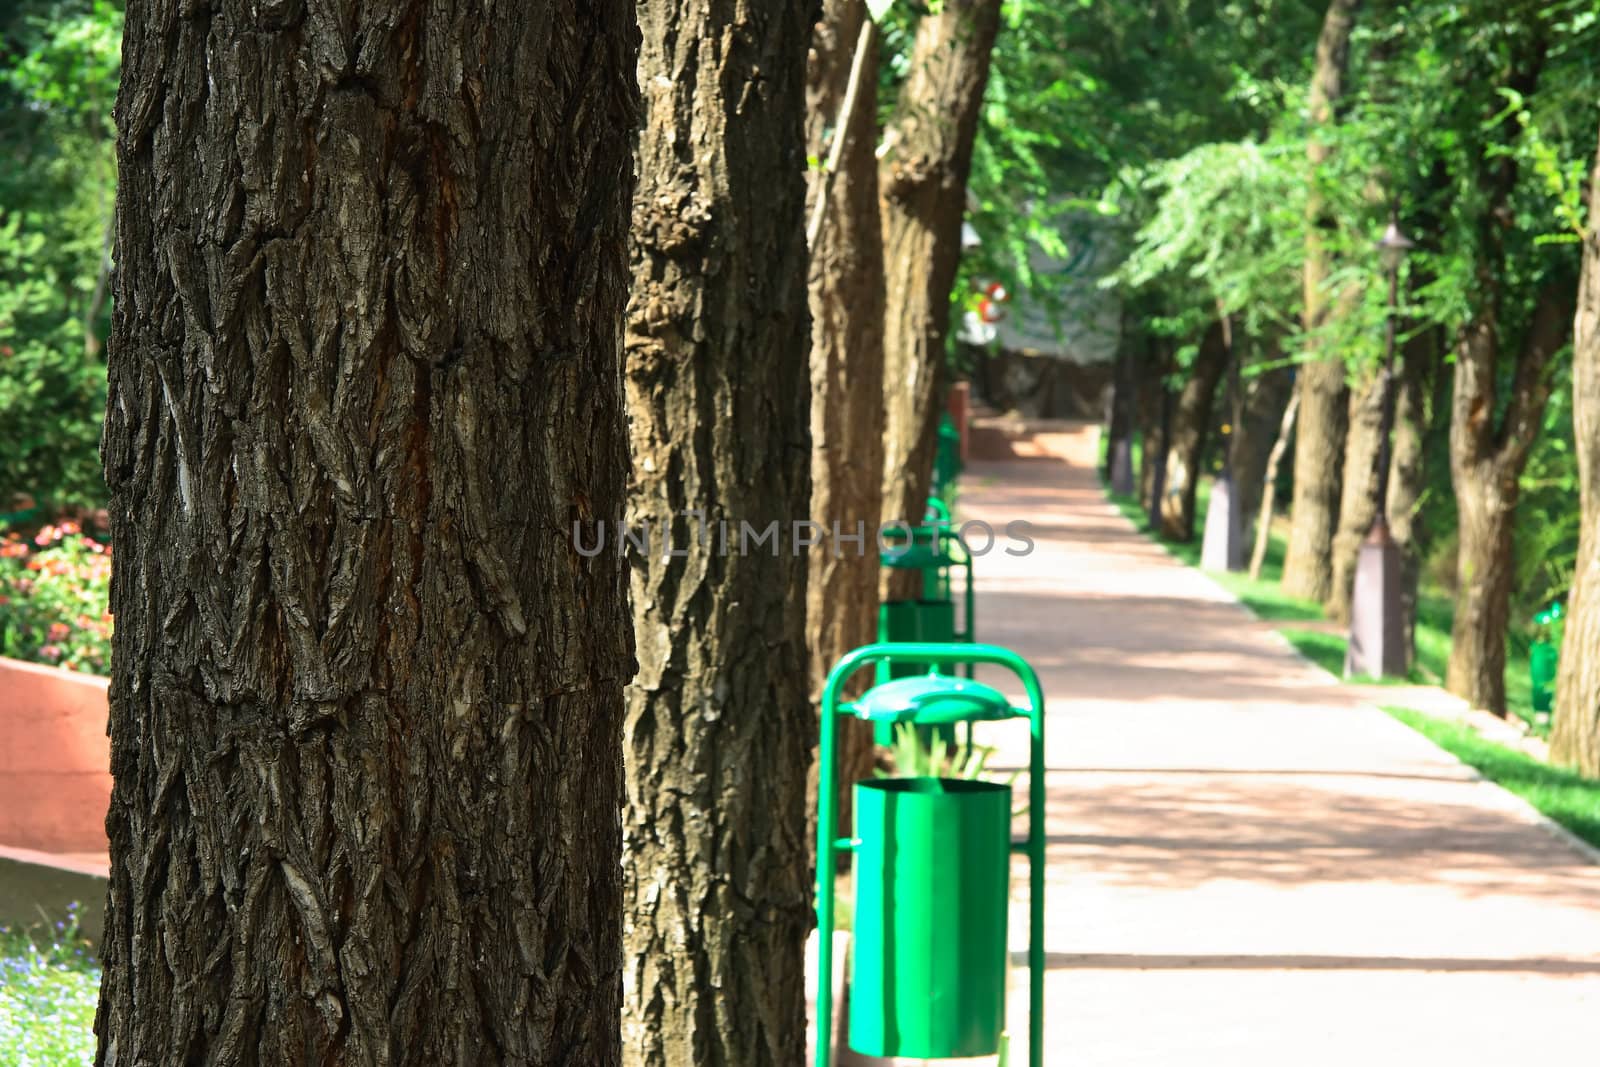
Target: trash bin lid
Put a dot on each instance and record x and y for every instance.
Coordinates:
(916, 557)
(932, 698)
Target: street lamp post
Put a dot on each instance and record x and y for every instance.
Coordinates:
(1377, 630)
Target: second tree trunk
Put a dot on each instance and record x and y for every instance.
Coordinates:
(719, 730)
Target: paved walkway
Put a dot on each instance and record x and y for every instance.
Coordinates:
(1247, 866)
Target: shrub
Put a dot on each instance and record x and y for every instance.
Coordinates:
(54, 592)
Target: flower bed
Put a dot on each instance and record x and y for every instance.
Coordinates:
(54, 594)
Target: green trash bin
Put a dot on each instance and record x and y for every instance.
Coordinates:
(928, 964)
(931, 868)
(946, 458)
(1542, 668)
(1543, 655)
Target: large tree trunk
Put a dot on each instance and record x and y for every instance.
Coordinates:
(1319, 441)
(366, 701)
(1575, 737)
(846, 286)
(923, 182)
(719, 729)
(1186, 437)
(1486, 462)
(1363, 442)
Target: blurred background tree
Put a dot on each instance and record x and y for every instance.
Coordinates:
(59, 64)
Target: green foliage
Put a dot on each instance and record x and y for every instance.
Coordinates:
(51, 395)
(913, 757)
(54, 591)
(58, 74)
(1222, 233)
(1084, 98)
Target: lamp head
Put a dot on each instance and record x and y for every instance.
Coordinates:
(1394, 245)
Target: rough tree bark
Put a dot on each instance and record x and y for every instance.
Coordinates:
(1487, 454)
(1407, 472)
(365, 376)
(1266, 396)
(1575, 736)
(923, 183)
(846, 287)
(1362, 446)
(1186, 435)
(1486, 462)
(1319, 440)
(719, 729)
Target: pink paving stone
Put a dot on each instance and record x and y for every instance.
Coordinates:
(1247, 864)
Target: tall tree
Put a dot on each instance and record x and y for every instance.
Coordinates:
(719, 729)
(1358, 500)
(923, 182)
(1491, 436)
(846, 291)
(1575, 737)
(1186, 436)
(367, 698)
(1319, 436)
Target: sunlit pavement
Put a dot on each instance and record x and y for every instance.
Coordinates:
(1246, 864)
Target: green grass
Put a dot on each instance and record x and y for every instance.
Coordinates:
(49, 985)
(1265, 597)
(1324, 649)
(1569, 799)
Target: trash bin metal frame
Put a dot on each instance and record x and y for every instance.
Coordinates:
(828, 844)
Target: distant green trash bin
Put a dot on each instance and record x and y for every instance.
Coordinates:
(928, 960)
(1542, 659)
(946, 458)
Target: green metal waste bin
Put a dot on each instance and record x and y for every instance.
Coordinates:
(928, 967)
(931, 862)
(1542, 668)
(1542, 656)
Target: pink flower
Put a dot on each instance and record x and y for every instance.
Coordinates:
(59, 631)
(69, 527)
(50, 651)
(45, 536)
